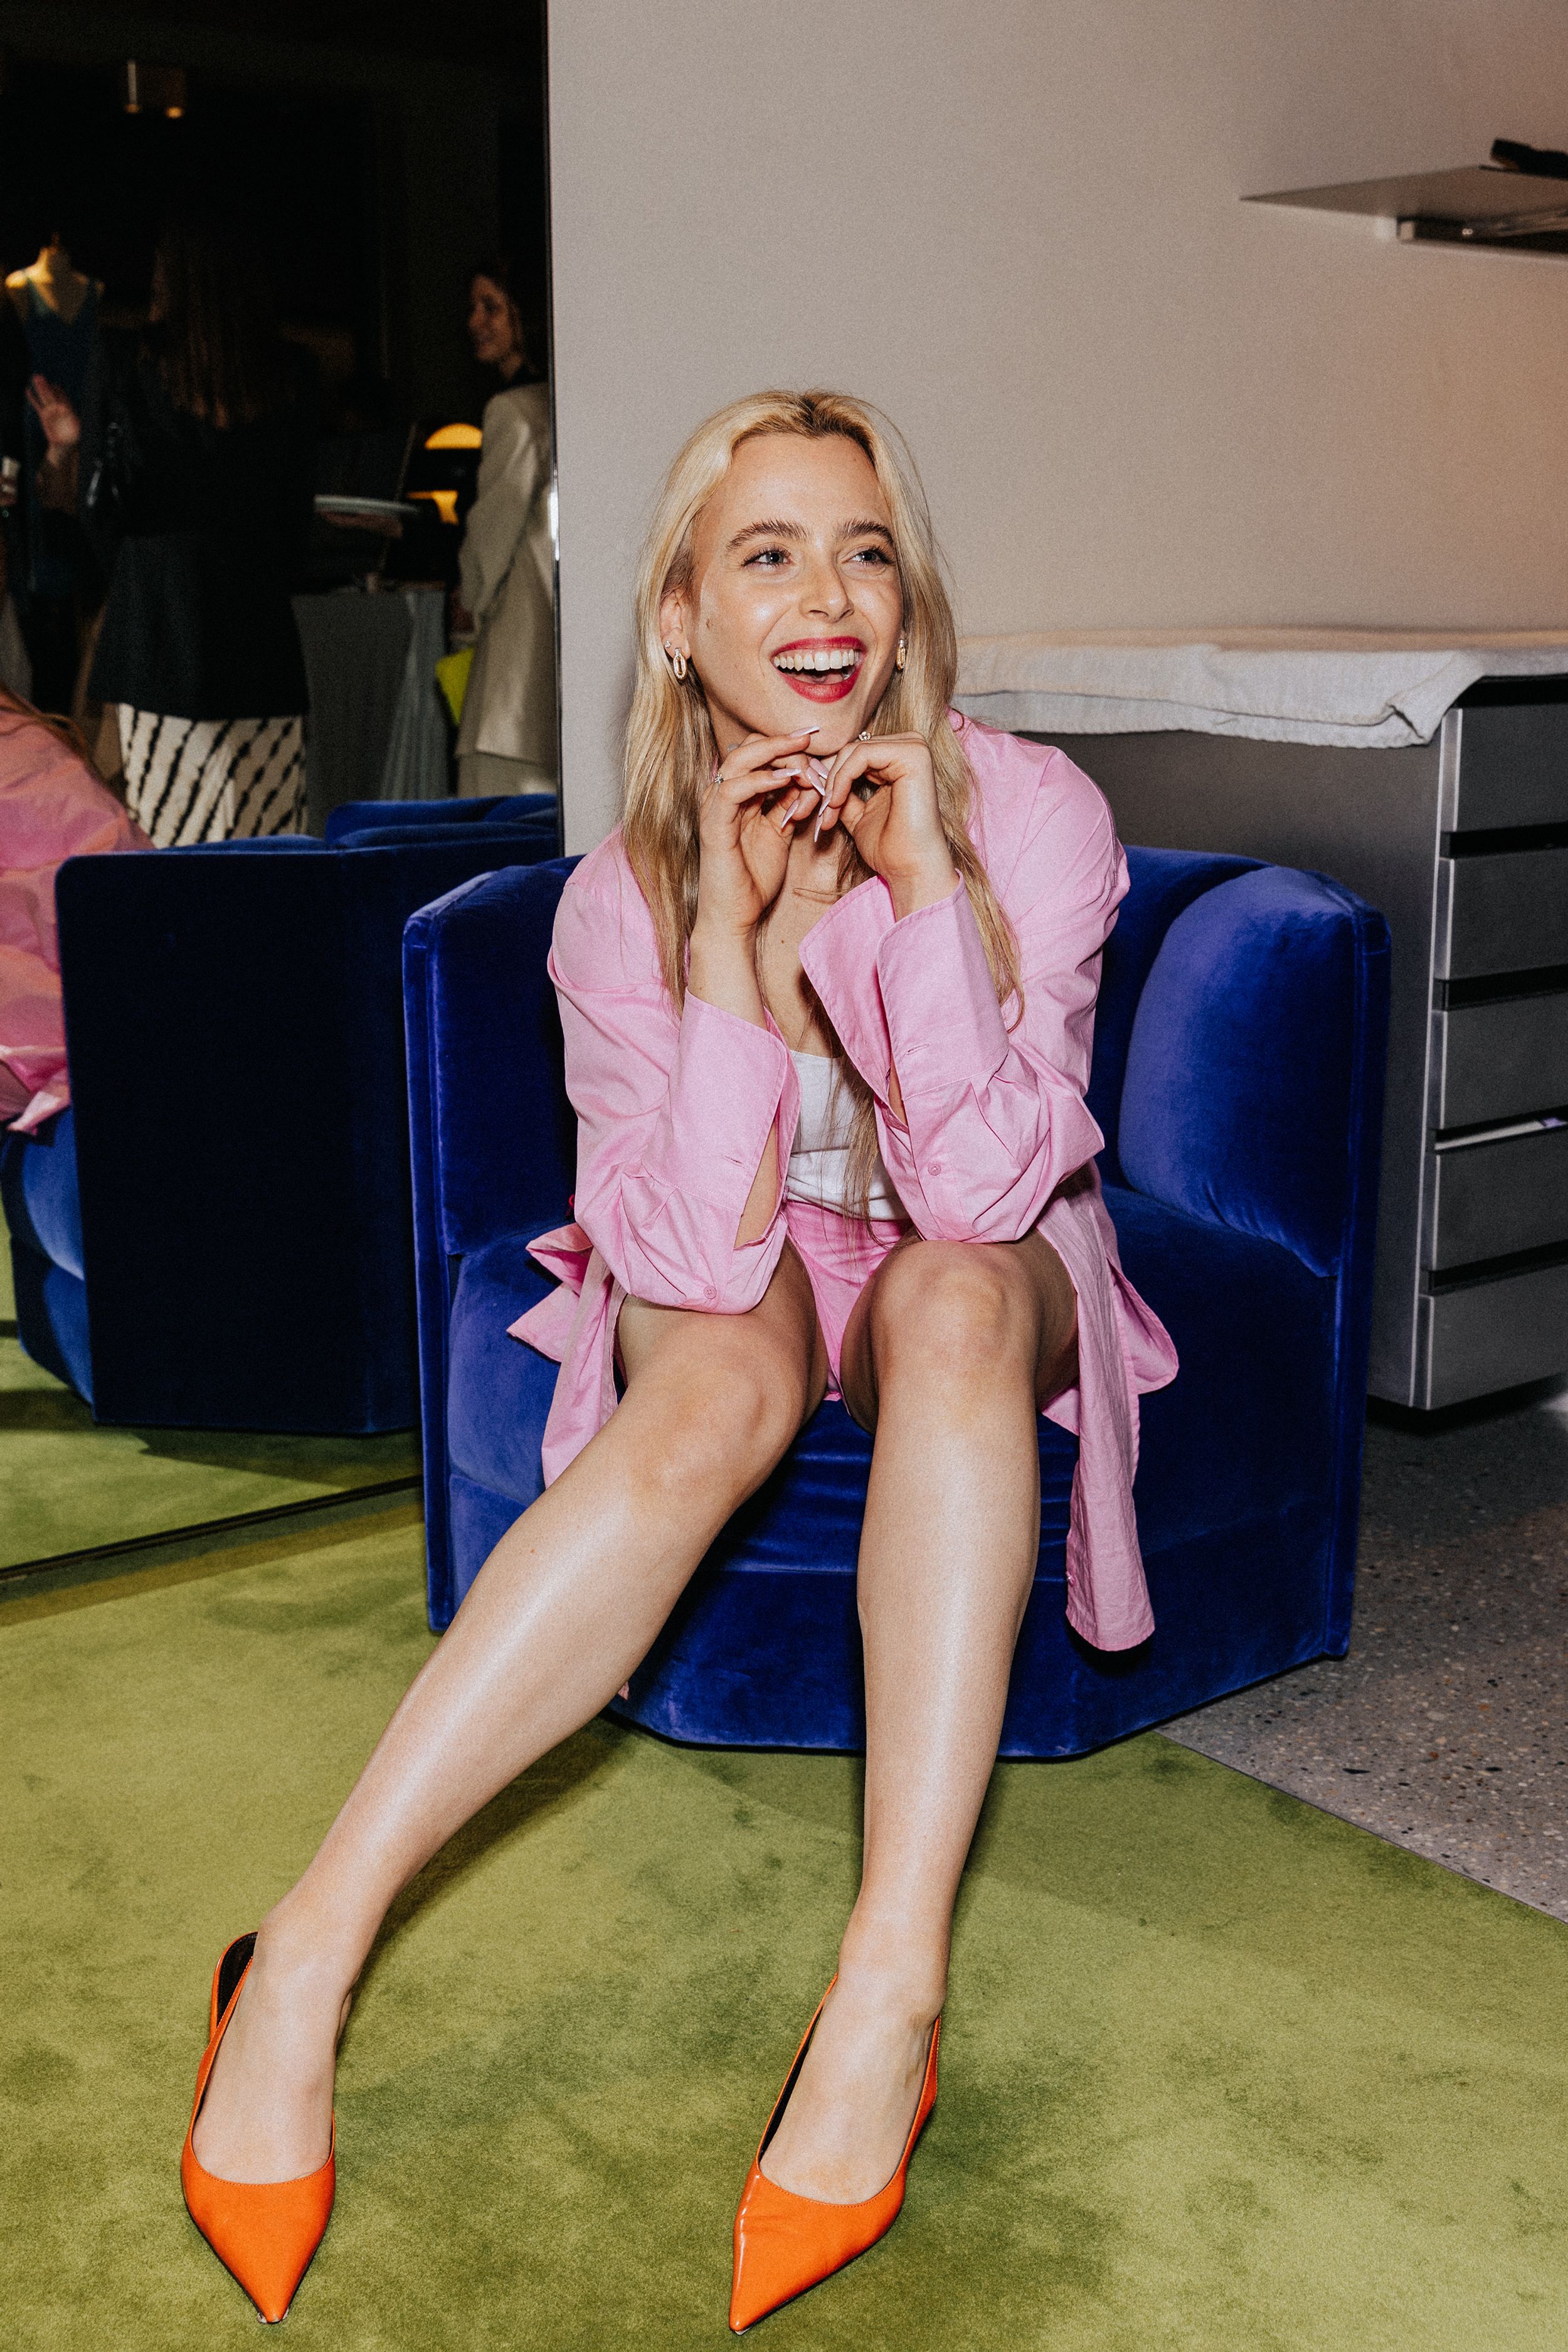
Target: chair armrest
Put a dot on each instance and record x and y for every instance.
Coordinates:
(495, 1142)
(515, 808)
(1253, 1095)
(492, 1141)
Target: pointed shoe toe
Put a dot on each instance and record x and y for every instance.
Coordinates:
(264, 2233)
(785, 2243)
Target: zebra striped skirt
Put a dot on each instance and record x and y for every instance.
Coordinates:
(190, 779)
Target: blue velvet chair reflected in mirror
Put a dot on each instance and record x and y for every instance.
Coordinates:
(1238, 1080)
(217, 1235)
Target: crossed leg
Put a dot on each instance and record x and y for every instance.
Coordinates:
(949, 1353)
(567, 1605)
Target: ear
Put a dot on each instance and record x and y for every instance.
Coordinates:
(672, 620)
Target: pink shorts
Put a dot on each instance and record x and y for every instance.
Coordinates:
(840, 1256)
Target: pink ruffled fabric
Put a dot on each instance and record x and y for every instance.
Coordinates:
(52, 807)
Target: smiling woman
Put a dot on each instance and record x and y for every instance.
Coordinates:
(828, 1000)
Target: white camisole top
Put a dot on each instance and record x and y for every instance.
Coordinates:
(819, 1155)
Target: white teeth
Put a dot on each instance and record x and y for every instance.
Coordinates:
(818, 658)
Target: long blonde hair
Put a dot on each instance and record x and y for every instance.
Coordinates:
(670, 753)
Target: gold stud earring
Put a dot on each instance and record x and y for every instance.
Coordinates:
(902, 655)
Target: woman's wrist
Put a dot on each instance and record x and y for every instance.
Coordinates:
(927, 885)
(712, 936)
(723, 969)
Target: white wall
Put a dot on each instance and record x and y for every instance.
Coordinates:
(1015, 225)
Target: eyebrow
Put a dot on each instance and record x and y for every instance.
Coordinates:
(861, 529)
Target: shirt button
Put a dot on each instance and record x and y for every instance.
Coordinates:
(933, 1168)
(709, 1294)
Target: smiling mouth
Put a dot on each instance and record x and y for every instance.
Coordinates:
(821, 672)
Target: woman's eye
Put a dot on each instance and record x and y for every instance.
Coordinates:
(877, 556)
(768, 557)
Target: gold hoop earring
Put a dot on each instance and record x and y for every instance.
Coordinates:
(902, 655)
(678, 663)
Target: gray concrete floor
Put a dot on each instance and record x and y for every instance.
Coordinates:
(1445, 1727)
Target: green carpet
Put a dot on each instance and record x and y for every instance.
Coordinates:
(68, 1485)
(1220, 2072)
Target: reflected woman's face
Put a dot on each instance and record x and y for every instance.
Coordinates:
(493, 329)
(793, 613)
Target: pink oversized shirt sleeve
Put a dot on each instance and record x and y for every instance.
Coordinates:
(673, 1115)
(52, 807)
(994, 1115)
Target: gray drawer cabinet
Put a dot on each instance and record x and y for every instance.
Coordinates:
(1507, 911)
(1463, 843)
(1498, 1061)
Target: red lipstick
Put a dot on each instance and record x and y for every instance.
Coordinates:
(820, 685)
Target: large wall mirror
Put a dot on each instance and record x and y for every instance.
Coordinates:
(276, 500)
(377, 181)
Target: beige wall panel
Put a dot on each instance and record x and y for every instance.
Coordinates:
(1015, 225)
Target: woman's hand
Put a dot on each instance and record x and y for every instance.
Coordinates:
(62, 426)
(898, 830)
(746, 822)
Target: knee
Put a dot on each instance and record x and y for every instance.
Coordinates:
(732, 1422)
(949, 1310)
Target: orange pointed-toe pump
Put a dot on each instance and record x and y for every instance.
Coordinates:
(785, 2243)
(262, 2231)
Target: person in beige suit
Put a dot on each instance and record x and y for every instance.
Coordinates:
(506, 741)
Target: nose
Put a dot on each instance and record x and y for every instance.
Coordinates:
(825, 590)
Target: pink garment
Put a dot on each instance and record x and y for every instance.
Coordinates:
(52, 807)
(673, 1115)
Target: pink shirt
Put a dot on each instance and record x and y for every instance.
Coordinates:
(52, 807)
(674, 1113)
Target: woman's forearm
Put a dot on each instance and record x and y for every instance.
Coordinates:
(723, 971)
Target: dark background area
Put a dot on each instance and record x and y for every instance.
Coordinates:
(71, 159)
(377, 152)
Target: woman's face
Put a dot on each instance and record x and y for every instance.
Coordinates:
(795, 605)
(492, 324)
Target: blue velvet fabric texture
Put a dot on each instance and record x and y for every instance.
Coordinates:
(1214, 1118)
(1248, 1458)
(43, 1216)
(234, 1020)
(538, 832)
(1161, 885)
(494, 1139)
(49, 1203)
(506, 808)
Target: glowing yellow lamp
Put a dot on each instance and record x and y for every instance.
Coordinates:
(455, 436)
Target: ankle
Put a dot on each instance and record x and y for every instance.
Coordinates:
(294, 1954)
(894, 1970)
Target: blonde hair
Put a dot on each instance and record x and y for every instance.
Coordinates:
(670, 753)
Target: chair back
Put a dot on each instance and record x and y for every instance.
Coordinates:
(233, 1022)
(1162, 884)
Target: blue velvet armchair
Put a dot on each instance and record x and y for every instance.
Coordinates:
(1238, 1080)
(217, 1235)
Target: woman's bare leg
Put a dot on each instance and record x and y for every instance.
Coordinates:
(567, 1605)
(948, 1355)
